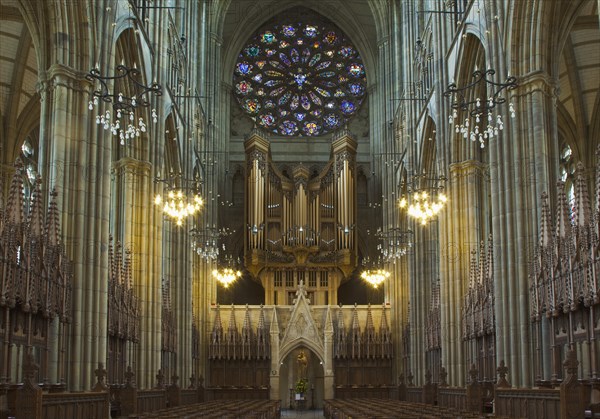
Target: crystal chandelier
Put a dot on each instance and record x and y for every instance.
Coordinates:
(422, 206)
(178, 206)
(424, 202)
(395, 243)
(227, 274)
(477, 101)
(182, 197)
(487, 124)
(375, 277)
(373, 273)
(122, 122)
(206, 242)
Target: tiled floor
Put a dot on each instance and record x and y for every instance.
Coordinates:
(305, 414)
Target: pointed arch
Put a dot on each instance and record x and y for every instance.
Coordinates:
(302, 342)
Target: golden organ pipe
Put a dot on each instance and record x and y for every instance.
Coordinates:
(343, 196)
(352, 220)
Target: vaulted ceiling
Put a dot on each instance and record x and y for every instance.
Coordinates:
(18, 64)
(358, 20)
(579, 71)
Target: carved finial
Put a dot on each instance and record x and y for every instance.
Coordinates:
(428, 377)
(545, 223)
(571, 363)
(443, 377)
(14, 204)
(192, 381)
(473, 373)
(129, 377)
(410, 378)
(174, 379)
(30, 367)
(473, 269)
(201, 380)
(401, 379)
(383, 326)
(502, 371)
(100, 374)
(563, 212)
(301, 289)
(36, 218)
(160, 379)
(583, 210)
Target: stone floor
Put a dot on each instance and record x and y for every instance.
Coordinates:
(305, 414)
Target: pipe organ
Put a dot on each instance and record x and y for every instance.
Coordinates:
(300, 224)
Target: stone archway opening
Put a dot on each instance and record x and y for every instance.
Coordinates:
(292, 369)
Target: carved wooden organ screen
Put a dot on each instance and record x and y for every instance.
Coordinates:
(36, 281)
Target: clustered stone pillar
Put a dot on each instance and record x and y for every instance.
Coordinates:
(75, 161)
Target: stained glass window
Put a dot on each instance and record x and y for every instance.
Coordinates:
(299, 77)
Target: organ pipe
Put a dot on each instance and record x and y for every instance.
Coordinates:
(315, 213)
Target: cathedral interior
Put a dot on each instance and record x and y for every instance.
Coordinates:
(238, 207)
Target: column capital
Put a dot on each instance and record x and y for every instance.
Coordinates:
(65, 76)
(216, 39)
(537, 81)
(466, 168)
(133, 166)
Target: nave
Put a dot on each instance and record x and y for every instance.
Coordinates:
(371, 408)
(301, 201)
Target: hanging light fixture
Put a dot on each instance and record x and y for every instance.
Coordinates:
(178, 206)
(227, 274)
(425, 198)
(487, 123)
(395, 243)
(375, 277)
(482, 121)
(373, 272)
(182, 198)
(207, 242)
(123, 121)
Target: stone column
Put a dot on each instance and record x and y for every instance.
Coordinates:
(523, 164)
(75, 159)
(465, 219)
(135, 217)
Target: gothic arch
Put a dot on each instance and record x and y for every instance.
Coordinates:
(60, 32)
(547, 24)
(567, 130)
(543, 56)
(301, 343)
(471, 55)
(128, 51)
(428, 157)
(261, 13)
(20, 110)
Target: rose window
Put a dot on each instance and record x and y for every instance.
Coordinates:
(299, 78)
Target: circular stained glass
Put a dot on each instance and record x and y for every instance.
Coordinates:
(299, 77)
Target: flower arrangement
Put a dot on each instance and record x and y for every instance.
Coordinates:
(302, 386)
